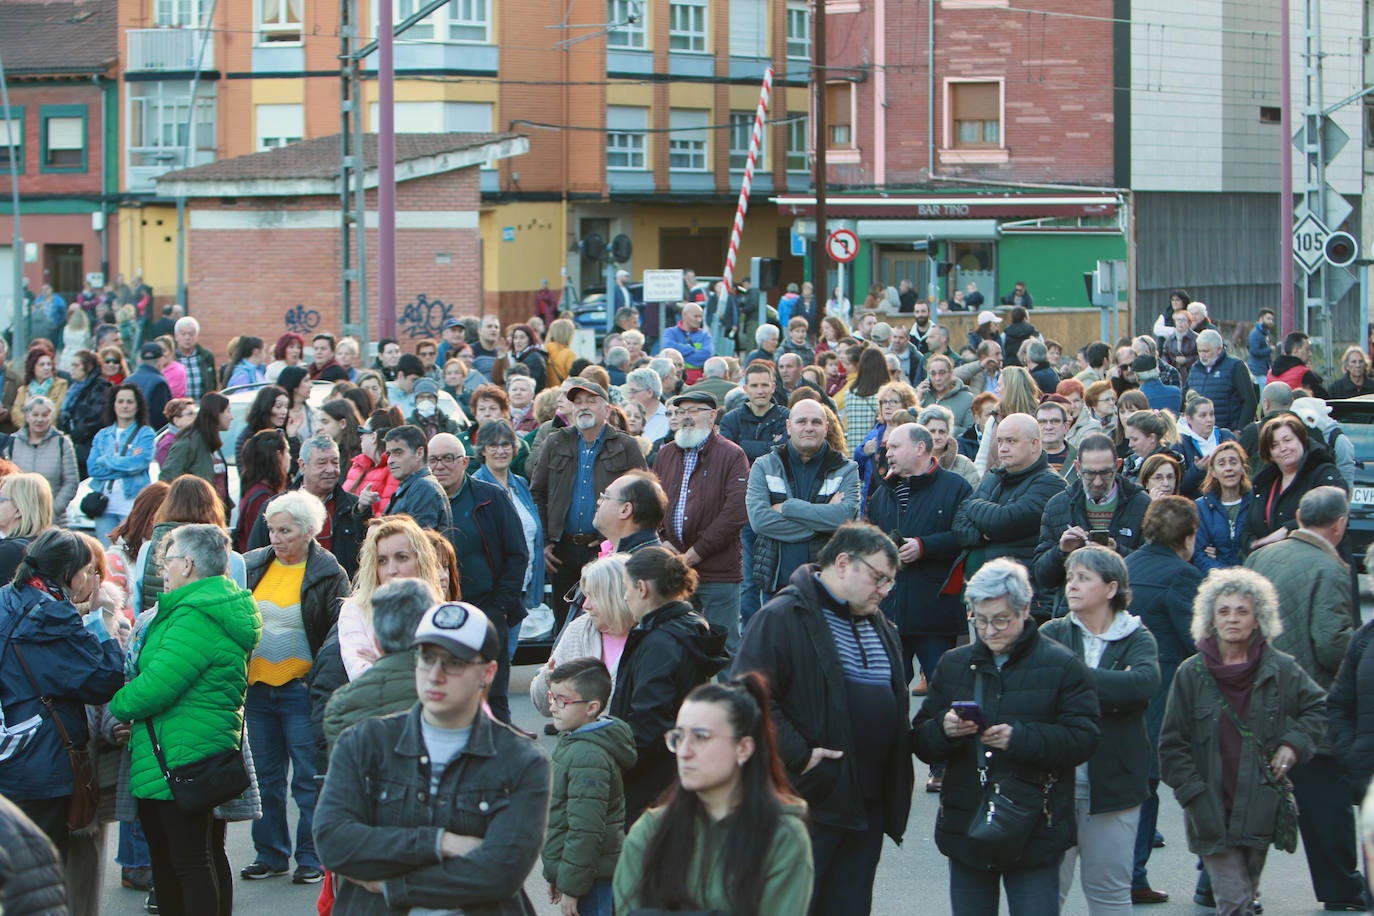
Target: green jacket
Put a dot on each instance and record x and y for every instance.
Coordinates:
(189, 455)
(789, 867)
(191, 681)
(385, 688)
(587, 804)
(1286, 707)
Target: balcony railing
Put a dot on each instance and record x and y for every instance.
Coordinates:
(154, 50)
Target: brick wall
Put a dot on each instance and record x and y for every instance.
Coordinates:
(33, 98)
(268, 280)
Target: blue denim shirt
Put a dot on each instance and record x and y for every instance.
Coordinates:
(131, 467)
(582, 509)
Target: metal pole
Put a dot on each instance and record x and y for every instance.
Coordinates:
(187, 156)
(742, 207)
(386, 174)
(1286, 314)
(20, 325)
(820, 258)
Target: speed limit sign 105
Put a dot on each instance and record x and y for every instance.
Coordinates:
(842, 246)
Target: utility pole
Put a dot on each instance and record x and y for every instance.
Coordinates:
(20, 325)
(820, 258)
(1286, 313)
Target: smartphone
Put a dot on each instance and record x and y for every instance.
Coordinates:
(969, 712)
(1100, 536)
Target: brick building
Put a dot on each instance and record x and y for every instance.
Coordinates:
(1004, 150)
(59, 60)
(263, 251)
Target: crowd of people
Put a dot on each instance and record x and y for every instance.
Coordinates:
(1098, 571)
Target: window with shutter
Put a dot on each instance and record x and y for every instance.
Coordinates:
(13, 127)
(64, 138)
(975, 115)
(749, 28)
(839, 115)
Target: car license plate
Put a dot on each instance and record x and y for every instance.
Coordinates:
(1363, 496)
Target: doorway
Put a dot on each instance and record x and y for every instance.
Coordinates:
(63, 267)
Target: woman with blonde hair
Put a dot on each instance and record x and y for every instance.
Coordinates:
(599, 632)
(1016, 393)
(25, 512)
(561, 355)
(395, 548)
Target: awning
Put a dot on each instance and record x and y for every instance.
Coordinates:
(952, 207)
(912, 230)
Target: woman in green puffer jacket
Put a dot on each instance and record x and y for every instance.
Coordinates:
(191, 676)
(731, 838)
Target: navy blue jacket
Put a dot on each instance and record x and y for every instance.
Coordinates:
(1228, 385)
(1193, 476)
(70, 665)
(915, 604)
(499, 542)
(1215, 530)
(756, 435)
(155, 389)
(1162, 396)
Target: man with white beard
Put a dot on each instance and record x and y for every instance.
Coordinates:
(705, 476)
(575, 469)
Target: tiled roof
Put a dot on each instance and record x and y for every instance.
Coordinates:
(319, 158)
(62, 36)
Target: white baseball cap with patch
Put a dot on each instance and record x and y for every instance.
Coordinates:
(461, 629)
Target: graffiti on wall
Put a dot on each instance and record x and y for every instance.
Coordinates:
(301, 320)
(424, 317)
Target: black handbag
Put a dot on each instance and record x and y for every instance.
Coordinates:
(201, 785)
(1007, 811)
(94, 503)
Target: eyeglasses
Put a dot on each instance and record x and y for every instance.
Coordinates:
(678, 738)
(880, 580)
(1096, 475)
(427, 661)
(446, 459)
(603, 496)
(558, 701)
(991, 624)
(693, 411)
(890, 402)
(111, 362)
(503, 446)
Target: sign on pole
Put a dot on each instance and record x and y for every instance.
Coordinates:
(1309, 242)
(662, 286)
(842, 246)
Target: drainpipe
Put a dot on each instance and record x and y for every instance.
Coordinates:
(880, 94)
(930, 89)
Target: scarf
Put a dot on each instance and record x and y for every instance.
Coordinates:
(1236, 683)
(74, 392)
(41, 389)
(1206, 446)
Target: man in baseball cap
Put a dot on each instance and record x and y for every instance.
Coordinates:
(444, 748)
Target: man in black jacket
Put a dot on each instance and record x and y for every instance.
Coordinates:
(419, 495)
(343, 533)
(1002, 518)
(834, 671)
(489, 542)
(1100, 507)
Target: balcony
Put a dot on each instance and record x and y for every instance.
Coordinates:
(169, 50)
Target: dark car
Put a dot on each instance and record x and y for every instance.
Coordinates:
(1356, 416)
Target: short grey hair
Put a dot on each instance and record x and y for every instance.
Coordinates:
(1322, 507)
(316, 443)
(207, 546)
(1036, 351)
(664, 367)
(396, 611)
(765, 332)
(633, 335)
(645, 377)
(1146, 341)
(1001, 578)
(187, 322)
(617, 357)
(39, 401)
(1236, 580)
(1277, 395)
(305, 510)
(1210, 338)
(1108, 566)
(936, 412)
(715, 367)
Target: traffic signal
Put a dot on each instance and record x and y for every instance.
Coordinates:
(1341, 249)
(943, 268)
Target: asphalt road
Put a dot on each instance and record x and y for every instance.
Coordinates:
(912, 878)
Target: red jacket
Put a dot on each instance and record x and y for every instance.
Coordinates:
(715, 505)
(364, 471)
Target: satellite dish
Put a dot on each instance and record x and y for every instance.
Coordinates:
(594, 247)
(622, 249)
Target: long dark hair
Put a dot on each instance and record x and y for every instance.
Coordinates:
(872, 373)
(246, 345)
(140, 416)
(344, 411)
(261, 461)
(260, 411)
(206, 423)
(749, 840)
(55, 556)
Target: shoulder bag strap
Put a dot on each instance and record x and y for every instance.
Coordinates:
(157, 751)
(979, 757)
(1245, 731)
(46, 701)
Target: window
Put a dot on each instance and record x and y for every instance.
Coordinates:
(627, 17)
(798, 154)
(1270, 115)
(687, 25)
(279, 125)
(687, 139)
(976, 115)
(839, 115)
(456, 21)
(798, 31)
(64, 138)
(749, 29)
(12, 127)
(627, 138)
(741, 129)
(159, 123)
(280, 20)
(183, 13)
